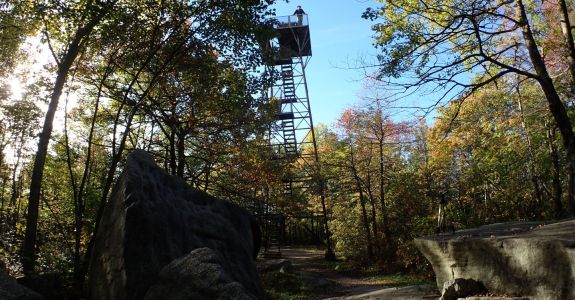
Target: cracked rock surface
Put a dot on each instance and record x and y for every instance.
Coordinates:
(152, 224)
(530, 259)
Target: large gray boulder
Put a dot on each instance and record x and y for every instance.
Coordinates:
(154, 220)
(198, 275)
(516, 259)
(10, 289)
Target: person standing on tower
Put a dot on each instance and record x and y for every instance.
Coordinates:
(299, 13)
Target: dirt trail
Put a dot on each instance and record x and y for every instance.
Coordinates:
(349, 286)
(309, 260)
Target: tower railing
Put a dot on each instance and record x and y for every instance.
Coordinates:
(291, 21)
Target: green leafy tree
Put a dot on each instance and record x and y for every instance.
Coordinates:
(17, 22)
(67, 43)
(441, 43)
(496, 163)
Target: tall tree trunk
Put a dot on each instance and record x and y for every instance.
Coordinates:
(172, 142)
(181, 147)
(365, 219)
(382, 187)
(78, 214)
(568, 37)
(2, 190)
(15, 191)
(371, 198)
(207, 172)
(460, 189)
(152, 133)
(19, 199)
(532, 171)
(557, 189)
(389, 243)
(372, 204)
(29, 244)
(554, 102)
(3, 205)
(80, 272)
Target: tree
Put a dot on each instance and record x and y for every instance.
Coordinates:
(136, 52)
(16, 24)
(441, 43)
(495, 156)
(363, 162)
(21, 119)
(80, 27)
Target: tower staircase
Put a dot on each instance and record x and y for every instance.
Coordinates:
(288, 122)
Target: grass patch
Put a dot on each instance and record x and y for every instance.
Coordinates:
(372, 274)
(399, 279)
(292, 286)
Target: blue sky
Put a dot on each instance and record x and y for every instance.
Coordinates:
(339, 37)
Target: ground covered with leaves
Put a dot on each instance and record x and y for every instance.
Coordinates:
(302, 273)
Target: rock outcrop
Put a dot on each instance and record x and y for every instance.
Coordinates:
(10, 289)
(198, 275)
(460, 288)
(150, 229)
(516, 259)
(49, 285)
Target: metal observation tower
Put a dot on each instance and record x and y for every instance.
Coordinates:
(291, 134)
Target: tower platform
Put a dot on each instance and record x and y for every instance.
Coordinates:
(293, 38)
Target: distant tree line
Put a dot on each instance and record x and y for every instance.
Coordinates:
(497, 78)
